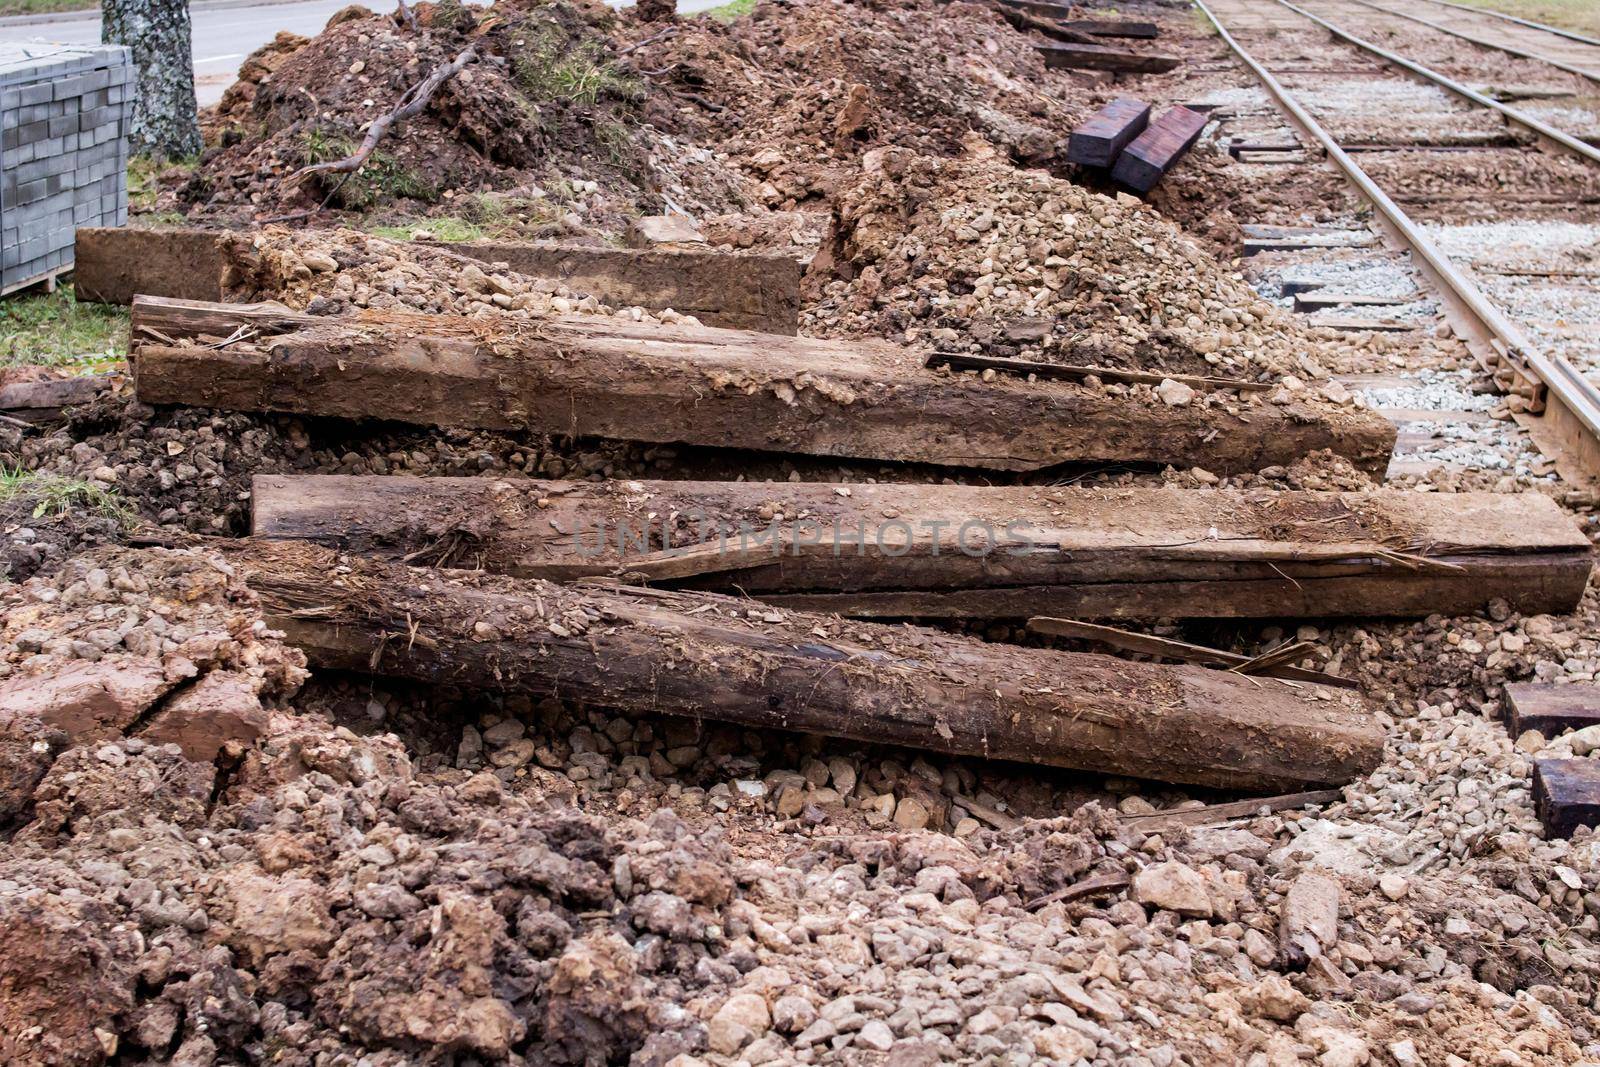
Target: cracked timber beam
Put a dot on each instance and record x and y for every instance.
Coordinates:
(961, 551)
(603, 377)
(652, 651)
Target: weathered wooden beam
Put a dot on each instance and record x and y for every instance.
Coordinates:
(1064, 14)
(602, 377)
(1115, 28)
(45, 400)
(1566, 794)
(1079, 372)
(1025, 21)
(706, 656)
(1101, 138)
(1063, 56)
(1321, 300)
(1271, 665)
(1551, 709)
(1158, 149)
(113, 263)
(732, 290)
(968, 551)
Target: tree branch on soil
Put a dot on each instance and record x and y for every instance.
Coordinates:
(411, 105)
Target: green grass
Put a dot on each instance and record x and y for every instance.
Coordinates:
(1580, 15)
(448, 229)
(51, 496)
(735, 9)
(43, 7)
(551, 68)
(54, 330)
(380, 179)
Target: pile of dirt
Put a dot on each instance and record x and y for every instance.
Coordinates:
(795, 92)
(550, 883)
(971, 253)
(548, 109)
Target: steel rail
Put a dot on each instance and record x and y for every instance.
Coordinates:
(1572, 402)
(1592, 75)
(1571, 35)
(1543, 129)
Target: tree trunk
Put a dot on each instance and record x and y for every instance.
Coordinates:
(165, 124)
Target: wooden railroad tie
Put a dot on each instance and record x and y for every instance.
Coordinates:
(1320, 300)
(1156, 150)
(1550, 709)
(733, 290)
(1100, 140)
(1566, 794)
(1064, 15)
(960, 551)
(597, 376)
(1065, 56)
(684, 652)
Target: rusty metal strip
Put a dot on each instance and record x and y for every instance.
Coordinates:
(1592, 75)
(1521, 118)
(1571, 403)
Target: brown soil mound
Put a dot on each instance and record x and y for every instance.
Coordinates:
(795, 90)
(547, 98)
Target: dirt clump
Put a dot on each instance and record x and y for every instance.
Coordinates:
(545, 99)
(796, 92)
(973, 254)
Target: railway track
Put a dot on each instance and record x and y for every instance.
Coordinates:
(1469, 143)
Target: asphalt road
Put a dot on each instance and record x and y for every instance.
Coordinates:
(223, 36)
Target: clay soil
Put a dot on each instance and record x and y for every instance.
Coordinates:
(210, 854)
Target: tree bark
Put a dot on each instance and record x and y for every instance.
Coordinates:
(165, 123)
(701, 655)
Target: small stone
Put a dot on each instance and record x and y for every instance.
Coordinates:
(875, 1036)
(1063, 1043)
(1174, 394)
(912, 814)
(1173, 886)
(742, 1018)
(1393, 886)
(1274, 998)
(792, 1014)
(516, 754)
(1308, 918)
(319, 261)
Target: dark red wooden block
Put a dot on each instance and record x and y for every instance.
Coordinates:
(1098, 142)
(1566, 794)
(1155, 150)
(1103, 57)
(1550, 709)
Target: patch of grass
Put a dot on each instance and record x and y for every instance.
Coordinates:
(54, 330)
(551, 68)
(51, 496)
(734, 9)
(382, 178)
(144, 181)
(43, 7)
(446, 228)
(1580, 15)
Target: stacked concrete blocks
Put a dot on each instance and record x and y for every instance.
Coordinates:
(64, 115)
